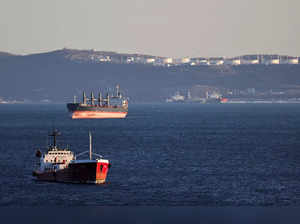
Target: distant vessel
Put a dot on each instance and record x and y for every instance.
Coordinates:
(61, 165)
(177, 98)
(99, 107)
(215, 98)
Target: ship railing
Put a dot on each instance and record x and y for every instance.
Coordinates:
(106, 106)
(85, 152)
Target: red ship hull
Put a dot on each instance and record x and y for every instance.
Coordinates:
(97, 114)
(78, 172)
(224, 100)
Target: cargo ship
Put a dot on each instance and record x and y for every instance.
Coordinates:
(111, 106)
(215, 98)
(62, 165)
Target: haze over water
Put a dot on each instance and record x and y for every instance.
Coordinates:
(178, 154)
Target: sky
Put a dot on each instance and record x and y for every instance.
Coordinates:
(170, 28)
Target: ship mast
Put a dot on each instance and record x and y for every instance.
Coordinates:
(92, 98)
(107, 99)
(84, 98)
(90, 145)
(54, 134)
(100, 99)
(118, 91)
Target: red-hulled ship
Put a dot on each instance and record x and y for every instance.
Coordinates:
(99, 107)
(215, 98)
(61, 165)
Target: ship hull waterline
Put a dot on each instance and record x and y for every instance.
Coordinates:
(88, 173)
(97, 114)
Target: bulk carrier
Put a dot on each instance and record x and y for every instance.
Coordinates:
(61, 165)
(99, 107)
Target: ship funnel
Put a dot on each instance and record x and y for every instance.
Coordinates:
(54, 134)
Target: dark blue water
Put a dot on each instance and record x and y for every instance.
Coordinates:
(208, 155)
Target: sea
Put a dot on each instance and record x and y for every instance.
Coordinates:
(161, 155)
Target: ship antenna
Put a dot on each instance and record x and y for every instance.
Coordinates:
(90, 135)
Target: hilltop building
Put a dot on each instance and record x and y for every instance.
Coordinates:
(289, 60)
(167, 61)
(103, 58)
(185, 60)
(250, 59)
(130, 59)
(200, 61)
(215, 61)
(150, 60)
(270, 61)
(232, 61)
(249, 62)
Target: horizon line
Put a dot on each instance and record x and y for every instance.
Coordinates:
(145, 54)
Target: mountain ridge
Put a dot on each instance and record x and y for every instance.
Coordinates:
(54, 77)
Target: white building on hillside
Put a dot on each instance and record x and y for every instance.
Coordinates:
(289, 60)
(293, 61)
(185, 60)
(203, 62)
(271, 61)
(216, 61)
(232, 61)
(150, 60)
(250, 61)
(130, 59)
(168, 60)
(104, 58)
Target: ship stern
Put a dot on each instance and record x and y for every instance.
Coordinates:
(89, 171)
(101, 171)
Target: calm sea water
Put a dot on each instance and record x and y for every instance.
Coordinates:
(180, 154)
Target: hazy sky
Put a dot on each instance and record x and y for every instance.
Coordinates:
(174, 28)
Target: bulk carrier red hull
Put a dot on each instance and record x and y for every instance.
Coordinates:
(79, 111)
(97, 115)
(97, 108)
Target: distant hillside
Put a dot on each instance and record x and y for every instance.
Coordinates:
(93, 56)
(58, 75)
